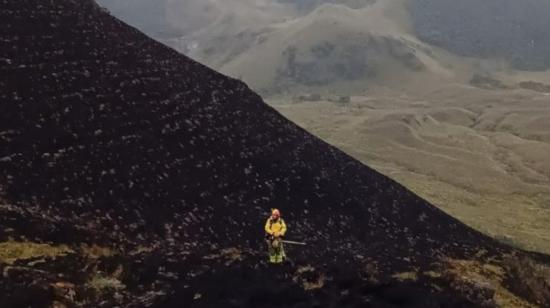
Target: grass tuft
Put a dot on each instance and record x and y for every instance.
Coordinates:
(12, 251)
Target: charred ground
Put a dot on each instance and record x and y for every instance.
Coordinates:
(134, 176)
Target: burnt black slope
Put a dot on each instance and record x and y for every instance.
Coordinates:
(110, 138)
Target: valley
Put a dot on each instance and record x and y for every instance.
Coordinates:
(480, 155)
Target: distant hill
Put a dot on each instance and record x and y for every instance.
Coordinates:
(282, 46)
(355, 49)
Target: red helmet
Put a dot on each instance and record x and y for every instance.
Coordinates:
(275, 213)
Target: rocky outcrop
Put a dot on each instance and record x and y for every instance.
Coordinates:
(487, 82)
(535, 86)
(153, 175)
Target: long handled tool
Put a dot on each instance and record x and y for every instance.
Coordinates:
(294, 243)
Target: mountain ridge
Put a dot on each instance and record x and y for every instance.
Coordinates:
(454, 47)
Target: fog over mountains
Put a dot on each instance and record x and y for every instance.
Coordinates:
(514, 30)
(233, 36)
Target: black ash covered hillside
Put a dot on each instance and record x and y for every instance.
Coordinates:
(133, 176)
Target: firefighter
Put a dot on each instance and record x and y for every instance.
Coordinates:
(275, 229)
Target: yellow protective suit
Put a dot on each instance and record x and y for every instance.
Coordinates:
(275, 229)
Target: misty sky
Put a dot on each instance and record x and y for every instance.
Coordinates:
(515, 30)
(185, 16)
(173, 17)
